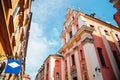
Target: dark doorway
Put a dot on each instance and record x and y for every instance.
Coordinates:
(75, 78)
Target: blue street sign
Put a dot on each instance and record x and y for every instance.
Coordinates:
(13, 66)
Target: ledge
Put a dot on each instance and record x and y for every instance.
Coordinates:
(87, 40)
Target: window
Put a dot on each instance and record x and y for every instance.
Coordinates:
(85, 76)
(118, 39)
(47, 66)
(73, 18)
(81, 55)
(83, 67)
(106, 32)
(73, 59)
(119, 43)
(116, 59)
(57, 76)
(77, 27)
(57, 61)
(70, 34)
(92, 26)
(66, 64)
(117, 36)
(101, 57)
(75, 78)
(64, 40)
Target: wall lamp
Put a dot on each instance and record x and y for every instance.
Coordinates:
(97, 69)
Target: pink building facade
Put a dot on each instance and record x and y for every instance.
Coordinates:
(90, 50)
(53, 67)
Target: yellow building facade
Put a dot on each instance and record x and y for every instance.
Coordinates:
(15, 19)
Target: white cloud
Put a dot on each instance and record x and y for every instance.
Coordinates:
(36, 30)
(40, 45)
(38, 48)
(53, 43)
(55, 31)
(47, 9)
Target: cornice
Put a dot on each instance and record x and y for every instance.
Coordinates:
(87, 40)
(75, 37)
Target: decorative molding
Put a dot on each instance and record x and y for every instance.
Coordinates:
(67, 54)
(76, 47)
(83, 29)
(87, 40)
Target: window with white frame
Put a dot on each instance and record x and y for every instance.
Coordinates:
(57, 76)
(73, 59)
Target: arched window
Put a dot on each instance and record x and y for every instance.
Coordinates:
(57, 76)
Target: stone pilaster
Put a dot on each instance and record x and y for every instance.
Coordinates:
(110, 54)
(90, 56)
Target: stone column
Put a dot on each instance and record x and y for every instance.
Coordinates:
(77, 62)
(68, 65)
(90, 56)
(62, 69)
(51, 68)
(110, 54)
(45, 71)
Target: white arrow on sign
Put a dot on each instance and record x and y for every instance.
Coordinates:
(13, 64)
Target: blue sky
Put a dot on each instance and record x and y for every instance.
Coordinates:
(47, 23)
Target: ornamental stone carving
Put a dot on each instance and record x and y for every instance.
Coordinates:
(87, 40)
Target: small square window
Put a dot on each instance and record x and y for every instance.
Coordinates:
(73, 18)
(106, 32)
(92, 26)
(73, 59)
(117, 36)
(70, 34)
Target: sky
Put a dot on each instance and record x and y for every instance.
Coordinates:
(47, 24)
